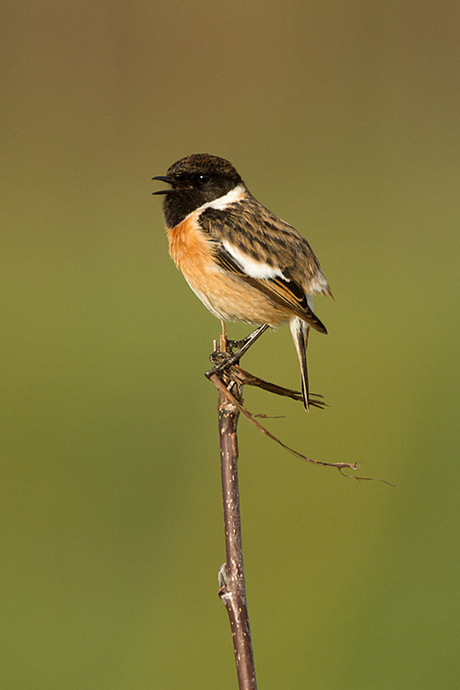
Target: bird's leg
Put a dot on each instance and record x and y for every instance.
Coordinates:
(223, 338)
(224, 360)
(244, 344)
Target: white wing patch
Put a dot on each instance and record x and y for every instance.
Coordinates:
(252, 267)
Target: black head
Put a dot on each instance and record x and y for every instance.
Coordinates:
(195, 180)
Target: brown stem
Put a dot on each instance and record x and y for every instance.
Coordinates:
(233, 591)
(229, 378)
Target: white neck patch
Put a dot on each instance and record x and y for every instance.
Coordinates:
(234, 195)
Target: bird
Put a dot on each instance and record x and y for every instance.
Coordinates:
(241, 260)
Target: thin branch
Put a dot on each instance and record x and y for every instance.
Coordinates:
(229, 378)
(247, 379)
(222, 388)
(232, 590)
(338, 465)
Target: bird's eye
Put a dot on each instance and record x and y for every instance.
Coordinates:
(202, 179)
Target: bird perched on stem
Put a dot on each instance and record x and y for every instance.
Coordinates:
(242, 261)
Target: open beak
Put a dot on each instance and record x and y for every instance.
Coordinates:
(164, 178)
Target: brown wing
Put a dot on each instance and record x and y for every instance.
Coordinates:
(281, 289)
(263, 238)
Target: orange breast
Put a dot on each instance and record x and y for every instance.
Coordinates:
(188, 246)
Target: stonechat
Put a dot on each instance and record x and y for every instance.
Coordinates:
(242, 261)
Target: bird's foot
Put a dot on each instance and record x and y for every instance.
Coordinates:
(224, 360)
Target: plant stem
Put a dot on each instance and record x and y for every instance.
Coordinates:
(233, 590)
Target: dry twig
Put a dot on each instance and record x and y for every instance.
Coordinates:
(230, 378)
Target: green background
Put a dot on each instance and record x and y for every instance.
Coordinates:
(343, 118)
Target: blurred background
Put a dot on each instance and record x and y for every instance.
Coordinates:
(342, 118)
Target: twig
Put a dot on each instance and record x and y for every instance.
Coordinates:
(229, 378)
(232, 590)
(338, 465)
(247, 379)
(222, 388)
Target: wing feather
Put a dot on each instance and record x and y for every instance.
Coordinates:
(281, 289)
(246, 236)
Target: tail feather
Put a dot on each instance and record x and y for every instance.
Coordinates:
(300, 331)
